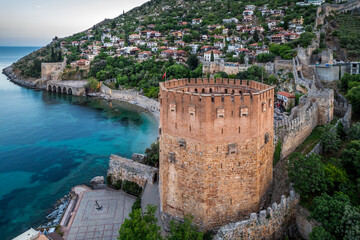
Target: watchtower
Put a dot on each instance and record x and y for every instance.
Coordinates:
(216, 149)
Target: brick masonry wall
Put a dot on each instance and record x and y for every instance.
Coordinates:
(267, 224)
(214, 161)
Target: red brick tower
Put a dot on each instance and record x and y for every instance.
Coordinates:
(216, 149)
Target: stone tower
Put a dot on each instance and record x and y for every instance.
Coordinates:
(216, 149)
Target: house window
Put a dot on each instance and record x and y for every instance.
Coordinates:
(270, 103)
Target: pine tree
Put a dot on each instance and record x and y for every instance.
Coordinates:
(212, 58)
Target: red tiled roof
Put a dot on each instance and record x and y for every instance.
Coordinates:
(286, 94)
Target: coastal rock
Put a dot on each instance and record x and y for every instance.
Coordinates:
(97, 182)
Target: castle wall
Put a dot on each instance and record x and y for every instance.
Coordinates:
(267, 224)
(52, 71)
(126, 169)
(294, 132)
(214, 160)
(283, 64)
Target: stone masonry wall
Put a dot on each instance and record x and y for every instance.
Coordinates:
(126, 169)
(267, 224)
(294, 132)
(52, 71)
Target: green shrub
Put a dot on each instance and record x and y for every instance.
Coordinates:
(136, 205)
(277, 152)
(152, 154)
(319, 233)
(118, 184)
(330, 139)
(354, 131)
(329, 210)
(132, 188)
(308, 175)
(108, 180)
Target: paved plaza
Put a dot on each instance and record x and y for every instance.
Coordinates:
(90, 222)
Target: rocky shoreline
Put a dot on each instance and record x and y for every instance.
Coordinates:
(54, 218)
(13, 77)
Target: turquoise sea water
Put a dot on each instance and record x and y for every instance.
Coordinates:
(51, 142)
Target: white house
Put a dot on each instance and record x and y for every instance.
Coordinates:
(216, 53)
(196, 21)
(230, 20)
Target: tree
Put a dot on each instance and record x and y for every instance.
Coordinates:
(354, 96)
(177, 71)
(350, 158)
(319, 233)
(193, 62)
(265, 57)
(330, 139)
(329, 211)
(308, 174)
(92, 83)
(351, 223)
(152, 154)
(140, 225)
(187, 38)
(354, 131)
(256, 36)
(212, 58)
(184, 230)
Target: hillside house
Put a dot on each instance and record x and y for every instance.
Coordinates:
(250, 7)
(145, 55)
(196, 21)
(230, 20)
(248, 12)
(291, 36)
(167, 53)
(278, 38)
(133, 37)
(286, 99)
(177, 34)
(216, 53)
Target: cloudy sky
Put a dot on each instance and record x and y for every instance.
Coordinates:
(36, 22)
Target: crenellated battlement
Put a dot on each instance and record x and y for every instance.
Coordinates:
(189, 85)
(298, 121)
(203, 107)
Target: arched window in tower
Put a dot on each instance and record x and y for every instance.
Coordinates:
(196, 90)
(226, 91)
(203, 90)
(210, 90)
